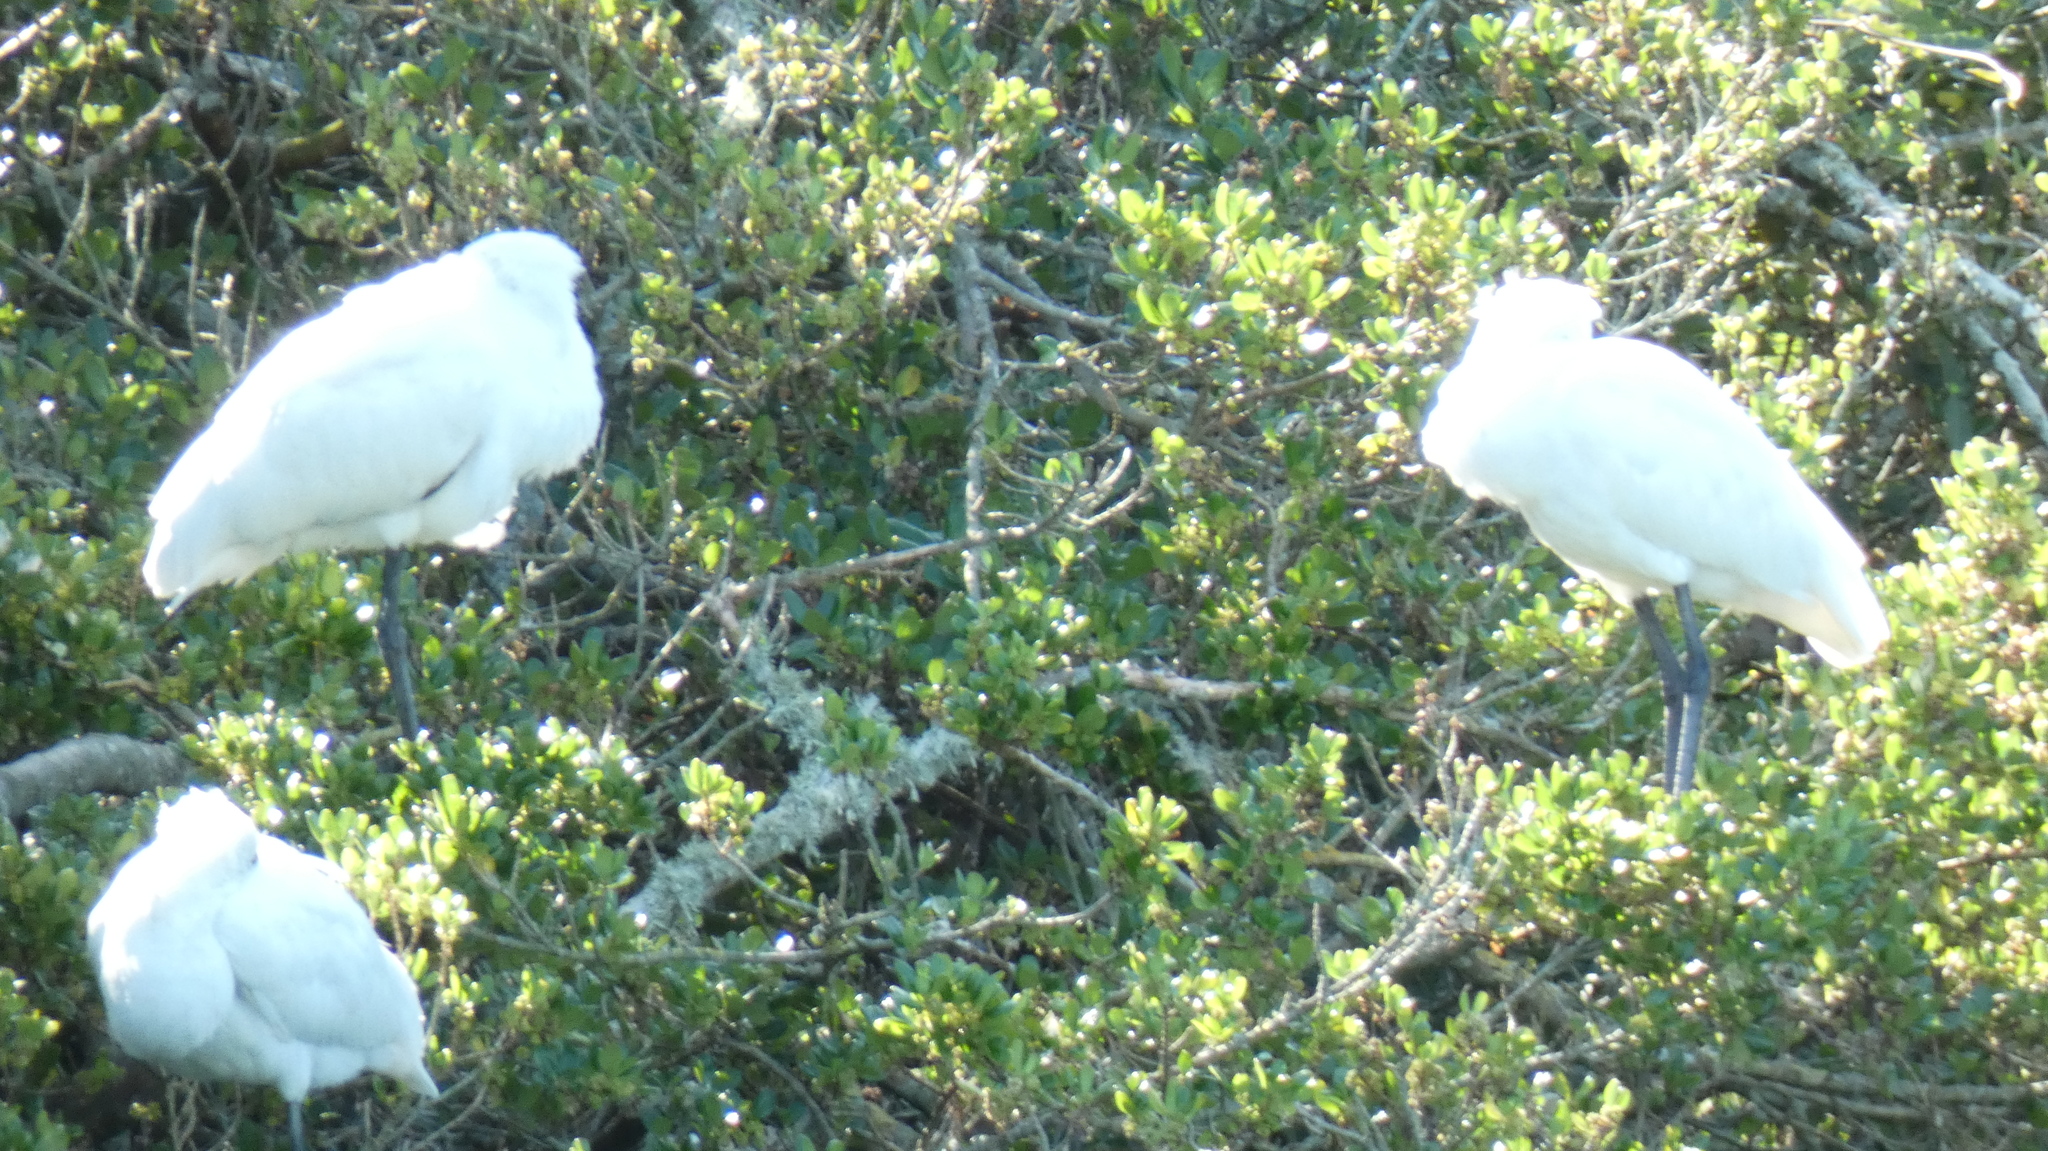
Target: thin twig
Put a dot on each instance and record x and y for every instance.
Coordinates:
(2014, 84)
(132, 142)
(1992, 855)
(1212, 690)
(29, 32)
(2026, 397)
(979, 354)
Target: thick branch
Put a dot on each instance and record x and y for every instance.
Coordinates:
(1094, 388)
(1427, 932)
(88, 765)
(884, 561)
(2027, 132)
(1552, 1006)
(1824, 162)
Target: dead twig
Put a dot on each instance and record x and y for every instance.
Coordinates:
(29, 32)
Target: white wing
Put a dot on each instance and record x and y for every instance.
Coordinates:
(166, 984)
(406, 415)
(1630, 464)
(308, 965)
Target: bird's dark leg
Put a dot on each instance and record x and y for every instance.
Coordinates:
(1673, 675)
(298, 1114)
(397, 648)
(1698, 679)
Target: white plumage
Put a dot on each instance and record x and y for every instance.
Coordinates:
(1629, 463)
(225, 953)
(407, 415)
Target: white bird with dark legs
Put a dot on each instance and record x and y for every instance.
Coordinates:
(409, 414)
(1629, 463)
(227, 954)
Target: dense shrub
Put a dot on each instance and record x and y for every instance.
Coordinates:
(1006, 678)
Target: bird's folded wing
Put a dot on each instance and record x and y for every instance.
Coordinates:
(307, 960)
(322, 433)
(1633, 450)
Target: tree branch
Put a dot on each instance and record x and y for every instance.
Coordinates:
(1013, 283)
(29, 32)
(139, 135)
(1212, 690)
(1823, 162)
(89, 765)
(818, 803)
(979, 356)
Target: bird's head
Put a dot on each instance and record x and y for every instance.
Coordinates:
(529, 261)
(204, 834)
(1522, 312)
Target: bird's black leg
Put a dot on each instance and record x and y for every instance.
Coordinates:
(397, 648)
(298, 1114)
(1673, 675)
(1698, 679)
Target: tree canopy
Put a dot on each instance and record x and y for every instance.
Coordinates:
(1006, 678)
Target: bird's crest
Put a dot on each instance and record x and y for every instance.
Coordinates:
(527, 258)
(1535, 310)
(204, 830)
(201, 812)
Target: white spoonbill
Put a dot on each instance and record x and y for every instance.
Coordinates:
(225, 953)
(1629, 463)
(409, 414)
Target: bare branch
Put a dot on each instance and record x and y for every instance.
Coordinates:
(139, 135)
(1825, 163)
(1212, 690)
(2025, 395)
(89, 765)
(1093, 387)
(1064, 782)
(2008, 133)
(29, 32)
(818, 803)
(2014, 84)
(667, 956)
(1888, 1098)
(979, 355)
(1012, 284)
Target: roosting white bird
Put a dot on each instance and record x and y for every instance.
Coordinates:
(1629, 463)
(409, 414)
(225, 953)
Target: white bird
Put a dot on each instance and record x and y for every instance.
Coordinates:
(409, 414)
(225, 953)
(1629, 463)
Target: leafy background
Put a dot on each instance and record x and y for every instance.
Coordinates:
(1006, 678)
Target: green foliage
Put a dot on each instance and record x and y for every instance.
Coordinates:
(27, 1034)
(1042, 381)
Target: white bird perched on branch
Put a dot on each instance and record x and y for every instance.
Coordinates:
(1629, 463)
(225, 953)
(409, 414)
